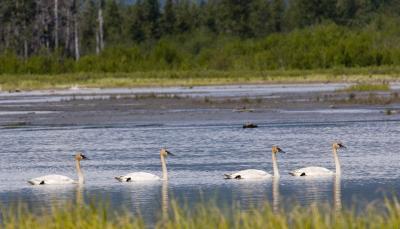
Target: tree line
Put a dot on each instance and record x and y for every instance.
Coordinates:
(55, 36)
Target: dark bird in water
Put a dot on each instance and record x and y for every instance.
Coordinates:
(249, 125)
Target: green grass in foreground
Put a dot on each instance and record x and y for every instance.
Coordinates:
(206, 216)
(369, 87)
(195, 78)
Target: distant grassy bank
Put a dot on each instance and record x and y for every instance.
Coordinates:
(204, 215)
(195, 78)
(368, 87)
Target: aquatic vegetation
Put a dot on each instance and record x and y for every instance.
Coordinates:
(368, 94)
(205, 215)
(370, 98)
(369, 87)
(14, 125)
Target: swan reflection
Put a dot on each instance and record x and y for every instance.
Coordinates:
(164, 201)
(251, 194)
(275, 194)
(79, 195)
(337, 193)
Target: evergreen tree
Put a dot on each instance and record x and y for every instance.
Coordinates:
(168, 18)
(235, 15)
(25, 12)
(260, 18)
(365, 10)
(209, 15)
(136, 26)
(151, 16)
(33, 27)
(113, 22)
(345, 10)
(88, 24)
(311, 12)
(277, 15)
(185, 16)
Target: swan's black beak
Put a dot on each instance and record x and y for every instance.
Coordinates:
(342, 146)
(169, 153)
(280, 150)
(84, 157)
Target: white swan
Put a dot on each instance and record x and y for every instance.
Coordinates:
(320, 171)
(255, 173)
(143, 176)
(54, 179)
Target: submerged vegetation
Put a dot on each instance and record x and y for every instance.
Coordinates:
(205, 216)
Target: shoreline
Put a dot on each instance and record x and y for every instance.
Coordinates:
(18, 82)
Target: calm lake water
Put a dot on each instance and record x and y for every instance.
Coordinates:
(204, 152)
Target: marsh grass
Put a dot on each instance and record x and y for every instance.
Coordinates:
(205, 215)
(14, 125)
(193, 78)
(368, 99)
(365, 87)
(66, 215)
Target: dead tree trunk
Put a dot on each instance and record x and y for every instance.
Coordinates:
(76, 38)
(25, 48)
(100, 31)
(76, 29)
(56, 24)
(97, 42)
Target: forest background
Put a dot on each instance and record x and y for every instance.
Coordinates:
(184, 38)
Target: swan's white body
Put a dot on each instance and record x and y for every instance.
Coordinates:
(312, 171)
(138, 176)
(321, 171)
(51, 179)
(253, 174)
(147, 177)
(55, 179)
(249, 174)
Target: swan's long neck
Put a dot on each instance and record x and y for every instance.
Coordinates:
(337, 163)
(164, 168)
(275, 165)
(81, 179)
